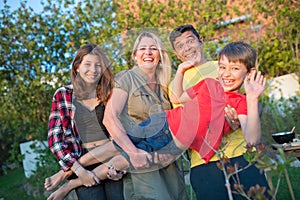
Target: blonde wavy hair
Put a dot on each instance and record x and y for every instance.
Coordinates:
(163, 70)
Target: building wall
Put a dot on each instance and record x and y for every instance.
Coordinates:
(238, 22)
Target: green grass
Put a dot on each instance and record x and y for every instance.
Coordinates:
(283, 192)
(11, 185)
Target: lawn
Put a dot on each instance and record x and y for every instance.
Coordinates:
(11, 185)
(283, 192)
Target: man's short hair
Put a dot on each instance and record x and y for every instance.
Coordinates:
(177, 32)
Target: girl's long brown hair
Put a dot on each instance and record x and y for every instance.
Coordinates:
(105, 84)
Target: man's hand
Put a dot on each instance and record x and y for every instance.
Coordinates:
(183, 67)
(232, 117)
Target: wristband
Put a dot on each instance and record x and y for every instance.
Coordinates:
(76, 168)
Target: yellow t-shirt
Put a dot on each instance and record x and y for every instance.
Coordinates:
(235, 139)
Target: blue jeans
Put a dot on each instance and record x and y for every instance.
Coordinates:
(152, 135)
(91, 193)
(106, 190)
(114, 189)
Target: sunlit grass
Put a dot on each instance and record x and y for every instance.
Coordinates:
(11, 186)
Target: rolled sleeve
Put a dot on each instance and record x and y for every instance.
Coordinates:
(63, 140)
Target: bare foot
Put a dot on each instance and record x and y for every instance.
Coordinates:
(59, 194)
(53, 181)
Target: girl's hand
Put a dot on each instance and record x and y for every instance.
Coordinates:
(87, 177)
(254, 85)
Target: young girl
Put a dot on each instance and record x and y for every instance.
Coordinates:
(75, 123)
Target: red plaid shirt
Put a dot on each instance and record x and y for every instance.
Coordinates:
(63, 138)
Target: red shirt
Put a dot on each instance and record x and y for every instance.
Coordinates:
(201, 120)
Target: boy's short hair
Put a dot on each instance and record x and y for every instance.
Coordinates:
(239, 52)
(182, 29)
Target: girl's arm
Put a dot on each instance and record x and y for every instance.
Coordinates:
(59, 145)
(250, 123)
(139, 158)
(57, 132)
(178, 95)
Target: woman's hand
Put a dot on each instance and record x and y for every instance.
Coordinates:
(140, 159)
(163, 159)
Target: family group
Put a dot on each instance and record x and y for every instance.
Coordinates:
(118, 136)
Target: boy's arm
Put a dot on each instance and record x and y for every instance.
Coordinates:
(254, 87)
(178, 94)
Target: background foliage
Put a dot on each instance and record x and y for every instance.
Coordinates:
(37, 48)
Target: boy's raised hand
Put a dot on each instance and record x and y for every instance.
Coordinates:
(254, 85)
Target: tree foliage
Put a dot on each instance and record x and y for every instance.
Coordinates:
(37, 51)
(279, 49)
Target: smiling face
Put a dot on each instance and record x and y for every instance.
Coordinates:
(90, 69)
(147, 54)
(188, 47)
(231, 74)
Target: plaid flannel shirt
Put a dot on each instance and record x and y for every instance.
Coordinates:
(63, 138)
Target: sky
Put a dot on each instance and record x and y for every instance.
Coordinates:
(35, 4)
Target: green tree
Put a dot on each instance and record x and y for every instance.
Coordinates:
(279, 49)
(37, 51)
